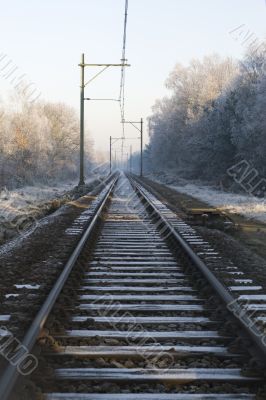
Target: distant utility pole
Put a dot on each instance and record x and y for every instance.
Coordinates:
(141, 140)
(110, 155)
(130, 160)
(112, 141)
(81, 148)
(141, 147)
(82, 65)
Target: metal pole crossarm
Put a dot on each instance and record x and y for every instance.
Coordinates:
(133, 124)
(130, 122)
(88, 98)
(131, 138)
(102, 70)
(114, 140)
(104, 65)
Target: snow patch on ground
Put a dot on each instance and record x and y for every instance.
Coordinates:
(246, 205)
(249, 206)
(21, 209)
(14, 202)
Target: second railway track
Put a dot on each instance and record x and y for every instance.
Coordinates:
(136, 320)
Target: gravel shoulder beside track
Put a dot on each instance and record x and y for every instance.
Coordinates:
(37, 256)
(245, 247)
(21, 209)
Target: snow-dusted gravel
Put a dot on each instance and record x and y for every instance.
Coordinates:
(249, 206)
(246, 205)
(21, 208)
(13, 202)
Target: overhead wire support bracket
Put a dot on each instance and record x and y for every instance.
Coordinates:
(114, 140)
(122, 79)
(88, 98)
(82, 66)
(105, 65)
(102, 70)
(133, 124)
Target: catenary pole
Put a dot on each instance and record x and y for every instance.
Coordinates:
(82, 86)
(141, 147)
(110, 155)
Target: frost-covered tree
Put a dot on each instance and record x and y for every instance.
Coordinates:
(39, 142)
(214, 117)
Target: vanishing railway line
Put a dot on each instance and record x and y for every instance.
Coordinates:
(135, 314)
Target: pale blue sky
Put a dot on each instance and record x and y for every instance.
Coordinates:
(45, 40)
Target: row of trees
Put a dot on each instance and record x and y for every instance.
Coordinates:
(214, 118)
(39, 143)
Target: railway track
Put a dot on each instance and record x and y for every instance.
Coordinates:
(136, 314)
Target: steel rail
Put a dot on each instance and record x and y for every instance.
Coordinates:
(11, 374)
(232, 307)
